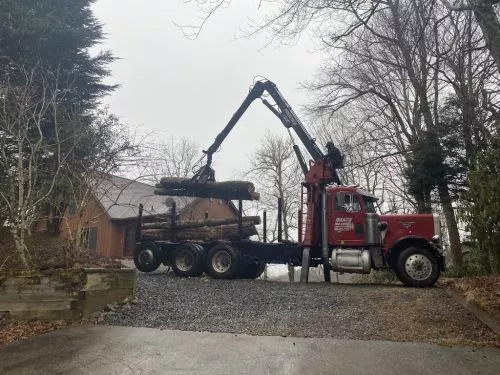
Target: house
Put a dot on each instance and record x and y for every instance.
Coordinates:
(109, 220)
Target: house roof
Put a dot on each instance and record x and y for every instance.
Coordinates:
(121, 198)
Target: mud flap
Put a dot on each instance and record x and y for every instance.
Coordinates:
(326, 271)
(304, 271)
(442, 263)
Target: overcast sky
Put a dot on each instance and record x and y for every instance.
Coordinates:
(190, 88)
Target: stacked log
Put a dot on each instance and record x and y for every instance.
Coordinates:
(228, 190)
(199, 230)
(156, 218)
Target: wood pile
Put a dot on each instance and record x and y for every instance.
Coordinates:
(196, 230)
(228, 190)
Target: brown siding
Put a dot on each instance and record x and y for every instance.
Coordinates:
(109, 235)
(216, 208)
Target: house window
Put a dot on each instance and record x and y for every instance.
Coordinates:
(90, 239)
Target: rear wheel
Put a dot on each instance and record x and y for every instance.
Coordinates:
(417, 267)
(147, 257)
(252, 270)
(187, 260)
(223, 261)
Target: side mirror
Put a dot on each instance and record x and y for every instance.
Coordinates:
(341, 200)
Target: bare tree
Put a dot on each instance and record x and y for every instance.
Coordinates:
(174, 158)
(485, 12)
(277, 175)
(294, 16)
(119, 152)
(30, 145)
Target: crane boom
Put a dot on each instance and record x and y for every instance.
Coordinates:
(283, 111)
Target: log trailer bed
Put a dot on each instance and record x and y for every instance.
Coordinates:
(232, 257)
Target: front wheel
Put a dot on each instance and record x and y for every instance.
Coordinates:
(417, 267)
(147, 257)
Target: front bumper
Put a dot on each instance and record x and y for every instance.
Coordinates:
(442, 263)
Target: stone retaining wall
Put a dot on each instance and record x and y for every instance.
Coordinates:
(64, 294)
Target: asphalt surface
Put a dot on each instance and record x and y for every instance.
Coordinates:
(257, 307)
(125, 350)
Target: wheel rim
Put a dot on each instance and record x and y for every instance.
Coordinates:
(221, 261)
(418, 267)
(184, 260)
(146, 257)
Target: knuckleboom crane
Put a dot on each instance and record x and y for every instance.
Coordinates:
(319, 172)
(316, 172)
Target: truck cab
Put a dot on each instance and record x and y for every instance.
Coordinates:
(360, 240)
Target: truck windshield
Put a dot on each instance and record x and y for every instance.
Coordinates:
(369, 203)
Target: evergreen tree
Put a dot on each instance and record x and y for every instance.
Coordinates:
(56, 36)
(425, 169)
(482, 206)
(51, 40)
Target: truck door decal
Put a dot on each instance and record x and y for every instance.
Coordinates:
(343, 224)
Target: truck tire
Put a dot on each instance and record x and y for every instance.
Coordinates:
(252, 270)
(147, 257)
(187, 260)
(417, 267)
(223, 261)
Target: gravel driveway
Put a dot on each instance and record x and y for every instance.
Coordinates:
(259, 307)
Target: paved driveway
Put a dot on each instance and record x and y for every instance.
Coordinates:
(127, 350)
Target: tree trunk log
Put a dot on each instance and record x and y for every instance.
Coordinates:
(229, 190)
(220, 232)
(247, 220)
(156, 218)
(451, 223)
(490, 26)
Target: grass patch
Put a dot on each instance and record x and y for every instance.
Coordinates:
(482, 291)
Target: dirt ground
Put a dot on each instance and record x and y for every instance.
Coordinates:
(483, 291)
(21, 330)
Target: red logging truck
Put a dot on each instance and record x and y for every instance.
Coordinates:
(338, 225)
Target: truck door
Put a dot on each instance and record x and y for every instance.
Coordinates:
(347, 220)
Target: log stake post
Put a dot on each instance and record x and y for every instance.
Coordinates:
(139, 224)
(173, 223)
(280, 218)
(300, 225)
(264, 226)
(240, 218)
